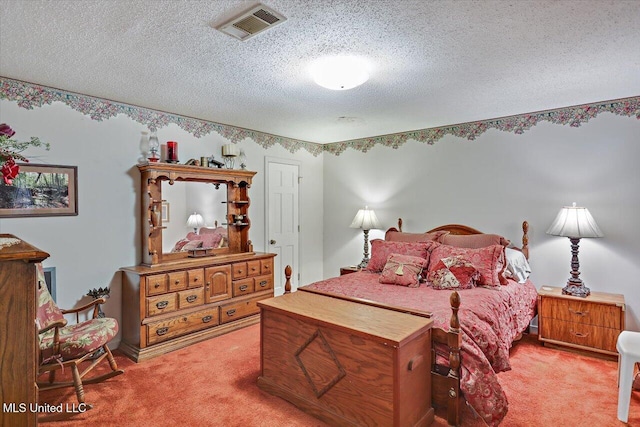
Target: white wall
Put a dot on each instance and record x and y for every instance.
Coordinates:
(493, 184)
(89, 249)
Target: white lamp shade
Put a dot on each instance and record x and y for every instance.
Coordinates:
(340, 72)
(230, 150)
(195, 220)
(365, 219)
(575, 222)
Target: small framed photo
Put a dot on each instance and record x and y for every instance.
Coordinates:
(40, 190)
(165, 212)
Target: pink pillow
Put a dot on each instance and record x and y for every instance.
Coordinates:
(382, 249)
(474, 240)
(398, 236)
(403, 270)
(489, 261)
(453, 273)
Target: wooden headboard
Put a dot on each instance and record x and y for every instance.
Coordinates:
(465, 230)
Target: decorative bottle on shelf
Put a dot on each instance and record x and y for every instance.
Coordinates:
(243, 160)
(172, 152)
(154, 145)
(144, 146)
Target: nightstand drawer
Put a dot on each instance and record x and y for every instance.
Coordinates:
(588, 313)
(580, 334)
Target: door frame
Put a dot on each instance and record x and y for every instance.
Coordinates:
(297, 275)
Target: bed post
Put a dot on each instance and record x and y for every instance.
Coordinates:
(525, 239)
(287, 275)
(454, 406)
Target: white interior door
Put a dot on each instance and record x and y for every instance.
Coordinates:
(282, 233)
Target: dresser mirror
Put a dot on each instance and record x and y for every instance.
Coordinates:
(171, 193)
(184, 199)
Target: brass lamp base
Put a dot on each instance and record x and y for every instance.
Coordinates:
(576, 290)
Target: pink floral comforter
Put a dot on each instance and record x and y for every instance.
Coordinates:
(490, 319)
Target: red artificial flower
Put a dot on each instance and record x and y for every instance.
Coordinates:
(6, 130)
(9, 171)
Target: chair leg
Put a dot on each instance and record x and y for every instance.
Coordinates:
(624, 392)
(77, 383)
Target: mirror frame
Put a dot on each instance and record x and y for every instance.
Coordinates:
(154, 175)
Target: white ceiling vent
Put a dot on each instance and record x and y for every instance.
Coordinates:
(252, 22)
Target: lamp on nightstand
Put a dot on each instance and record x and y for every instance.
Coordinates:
(575, 223)
(365, 219)
(195, 220)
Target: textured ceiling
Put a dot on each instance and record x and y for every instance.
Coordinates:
(434, 63)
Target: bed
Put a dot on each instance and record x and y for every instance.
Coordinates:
(474, 322)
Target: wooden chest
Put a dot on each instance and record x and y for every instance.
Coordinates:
(592, 323)
(346, 363)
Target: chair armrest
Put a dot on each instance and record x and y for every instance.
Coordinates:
(59, 324)
(87, 306)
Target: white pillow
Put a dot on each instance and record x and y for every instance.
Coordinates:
(517, 265)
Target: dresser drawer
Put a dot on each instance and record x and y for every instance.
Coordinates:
(191, 298)
(156, 284)
(266, 266)
(181, 325)
(195, 278)
(231, 312)
(263, 283)
(177, 281)
(161, 304)
(239, 270)
(243, 287)
(580, 334)
(253, 268)
(589, 313)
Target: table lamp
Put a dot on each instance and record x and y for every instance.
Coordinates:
(366, 220)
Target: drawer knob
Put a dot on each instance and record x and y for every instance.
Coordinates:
(244, 288)
(157, 285)
(162, 331)
(231, 312)
(177, 282)
(263, 283)
(195, 279)
(162, 304)
(580, 334)
(192, 298)
(206, 319)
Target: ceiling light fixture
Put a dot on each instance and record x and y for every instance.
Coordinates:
(340, 72)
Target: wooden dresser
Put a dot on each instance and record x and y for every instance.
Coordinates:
(18, 334)
(347, 363)
(592, 323)
(174, 299)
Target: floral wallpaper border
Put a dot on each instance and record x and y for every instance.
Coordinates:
(29, 95)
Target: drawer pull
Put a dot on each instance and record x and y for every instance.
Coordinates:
(162, 331)
(162, 304)
(195, 279)
(244, 288)
(192, 298)
(579, 313)
(263, 283)
(206, 319)
(177, 282)
(580, 334)
(156, 286)
(231, 312)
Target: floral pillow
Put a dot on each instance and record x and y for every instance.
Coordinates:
(453, 273)
(399, 236)
(489, 261)
(403, 270)
(382, 249)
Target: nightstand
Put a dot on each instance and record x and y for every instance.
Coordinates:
(592, 323)
(348, 270)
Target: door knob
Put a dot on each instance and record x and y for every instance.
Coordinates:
(273, 242)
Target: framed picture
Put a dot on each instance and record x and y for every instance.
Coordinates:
(165, 212)
(41, 190)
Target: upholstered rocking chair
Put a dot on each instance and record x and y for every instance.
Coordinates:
(65, 346)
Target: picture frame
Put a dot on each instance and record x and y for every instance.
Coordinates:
(41, 190)
(164, 213)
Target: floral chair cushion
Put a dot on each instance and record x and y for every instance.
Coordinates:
(80, 339)
(48, 311)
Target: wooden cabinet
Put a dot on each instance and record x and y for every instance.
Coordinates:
(174, 299)
(18, 335)
(348, 270)
(592, 323)
(172, 306)
(347, 363)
